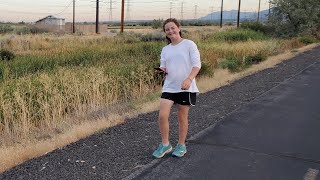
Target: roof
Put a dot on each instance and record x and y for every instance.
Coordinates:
(49, 17)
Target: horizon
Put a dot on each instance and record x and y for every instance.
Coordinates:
(110, 10)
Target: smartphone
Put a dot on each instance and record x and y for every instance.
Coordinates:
(159, 69)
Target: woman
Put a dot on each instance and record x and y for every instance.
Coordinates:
(180, 60)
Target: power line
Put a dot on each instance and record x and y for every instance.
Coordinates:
(65, 8)
(112, 9)
(143, 2)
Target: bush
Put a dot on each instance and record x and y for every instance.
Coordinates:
(235, 64)
(308, 40)
(206, 70)
(291, 18)
(2, 69)
(239, 35)
(31, 30)
(113, 31)
(231, 63)
(254, 59)
(6, 55)
(128, 37)
(156, 24)
(36, 30)
(256, 26)
(5, 28)
(23, 30)
(152, 37)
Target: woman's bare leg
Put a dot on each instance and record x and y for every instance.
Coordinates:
(183, 111)
(164, 113)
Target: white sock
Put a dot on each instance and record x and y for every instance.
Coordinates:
(165, 144)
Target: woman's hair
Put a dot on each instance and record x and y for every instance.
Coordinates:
(174, 21)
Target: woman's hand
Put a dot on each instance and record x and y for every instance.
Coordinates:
(186, 84)
(160, 70)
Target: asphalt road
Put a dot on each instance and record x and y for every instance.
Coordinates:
(274, 137)
(260, 127)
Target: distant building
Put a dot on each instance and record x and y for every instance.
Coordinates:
(51, 23)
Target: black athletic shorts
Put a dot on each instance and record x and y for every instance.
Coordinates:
(182, 98)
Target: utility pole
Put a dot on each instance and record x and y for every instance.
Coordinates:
(269, 10)
(97, 17)
(195, 11)
(170, 8)
(128, 10)
(238, 20)
(182, 10)
(110, 9)
(221, 13)
(73, 21)
(122, 16)
(211, 14)
(258, 11)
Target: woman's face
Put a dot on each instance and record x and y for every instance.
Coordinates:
(172, 30)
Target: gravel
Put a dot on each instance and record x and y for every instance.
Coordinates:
(117, 152)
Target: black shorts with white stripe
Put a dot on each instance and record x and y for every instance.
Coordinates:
(182, 98)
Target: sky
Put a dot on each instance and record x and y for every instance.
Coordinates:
(110, 10)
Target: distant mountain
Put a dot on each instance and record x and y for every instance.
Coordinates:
(233, 15)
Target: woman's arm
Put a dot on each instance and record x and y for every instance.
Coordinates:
(187, 82)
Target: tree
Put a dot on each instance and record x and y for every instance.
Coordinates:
(156, 23)
(295, 17)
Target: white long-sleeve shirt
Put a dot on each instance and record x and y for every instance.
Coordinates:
(179, 60)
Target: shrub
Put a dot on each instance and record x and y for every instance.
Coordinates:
(152, 37)
(238, 35)
(6, 55)
(2, 69)
(256, 26)
(36, 30)
(291, 18)
(128, 37)
(5, 28)
(308, 40)
(235, 64)
(156, 24)
(231, 63)
(30, 30)
(23, 30)
(113, 31)
(80, 33)
(206, 70)
(254, 59)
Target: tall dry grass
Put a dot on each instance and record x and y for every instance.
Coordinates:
(92, 72)
(45, 101)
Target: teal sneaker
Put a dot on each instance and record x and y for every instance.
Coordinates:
(180, 150)
(162, 150)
